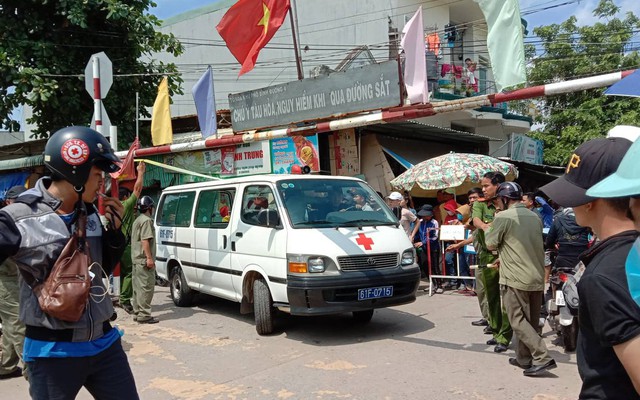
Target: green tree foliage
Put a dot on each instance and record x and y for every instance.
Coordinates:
(46, 44)
(569, 51)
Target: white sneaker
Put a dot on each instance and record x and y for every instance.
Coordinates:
(541, 322)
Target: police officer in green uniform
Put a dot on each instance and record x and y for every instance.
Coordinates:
(482, 214)
(143, 256)
(129, 200)
(13, 328)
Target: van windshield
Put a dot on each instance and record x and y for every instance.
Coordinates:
(316, 203)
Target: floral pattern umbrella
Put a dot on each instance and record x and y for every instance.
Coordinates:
(460, 171)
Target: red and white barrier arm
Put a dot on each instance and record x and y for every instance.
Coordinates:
(391, 115)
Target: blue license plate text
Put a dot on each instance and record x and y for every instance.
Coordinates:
(375, 292)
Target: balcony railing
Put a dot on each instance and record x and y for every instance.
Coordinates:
(461, 87)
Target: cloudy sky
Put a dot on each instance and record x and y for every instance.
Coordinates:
(581, 9)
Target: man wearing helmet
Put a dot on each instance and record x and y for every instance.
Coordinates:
(143, 258)
(515, 233)
(64, 356)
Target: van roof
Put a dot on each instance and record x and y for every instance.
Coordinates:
(256, 178)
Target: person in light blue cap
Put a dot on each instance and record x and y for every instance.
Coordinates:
(622, 183)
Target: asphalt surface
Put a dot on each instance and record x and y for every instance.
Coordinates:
(427, 349)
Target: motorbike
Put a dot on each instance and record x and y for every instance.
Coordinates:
(559, 316)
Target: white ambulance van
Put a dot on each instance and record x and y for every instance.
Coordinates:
(303, 244)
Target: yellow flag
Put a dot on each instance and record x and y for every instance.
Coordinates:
(161, 132)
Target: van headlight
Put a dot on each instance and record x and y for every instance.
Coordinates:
(408, 257)
(316, 264)
(302, 264)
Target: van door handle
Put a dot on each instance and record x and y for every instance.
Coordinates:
(239, 234)
(233, 246)
(224, 241)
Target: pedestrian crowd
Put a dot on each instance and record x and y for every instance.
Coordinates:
(593, 233)
(588, 226)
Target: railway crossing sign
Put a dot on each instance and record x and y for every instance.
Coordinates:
(98, 78)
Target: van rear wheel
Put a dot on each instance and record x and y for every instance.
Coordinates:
(362, 317)
(263, 307)
(181, 294)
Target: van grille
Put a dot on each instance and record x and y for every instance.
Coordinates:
(365, 262)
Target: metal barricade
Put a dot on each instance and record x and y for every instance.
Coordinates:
(443, 266)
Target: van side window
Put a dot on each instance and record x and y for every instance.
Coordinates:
(176, 209)
(214, 208)
(254, 199)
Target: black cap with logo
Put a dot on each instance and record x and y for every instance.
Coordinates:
(590, 163)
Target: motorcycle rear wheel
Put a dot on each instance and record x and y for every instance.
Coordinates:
(570, 336)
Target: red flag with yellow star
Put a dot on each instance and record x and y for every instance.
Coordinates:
(249, 25)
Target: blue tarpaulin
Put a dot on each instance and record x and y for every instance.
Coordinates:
(398, 158)
(7, 181)
(628, 86)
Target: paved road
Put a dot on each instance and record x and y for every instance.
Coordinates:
(426, 349)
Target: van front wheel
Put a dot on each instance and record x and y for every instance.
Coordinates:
(262, 307)
(181, 294)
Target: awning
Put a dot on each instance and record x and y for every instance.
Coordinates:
(421, 131)
(23, 162)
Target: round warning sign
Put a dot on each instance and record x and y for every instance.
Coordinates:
(75, 152)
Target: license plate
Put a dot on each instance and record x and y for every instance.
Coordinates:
(375, 292)
(560, 298)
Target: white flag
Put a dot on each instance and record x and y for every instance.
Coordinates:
(415, 65)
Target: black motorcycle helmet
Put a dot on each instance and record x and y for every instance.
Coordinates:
(71, 152)
(145, 203)
(509, 190)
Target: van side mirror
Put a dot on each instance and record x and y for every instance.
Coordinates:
(268, 218)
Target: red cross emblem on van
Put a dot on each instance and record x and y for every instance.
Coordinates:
(364, 241)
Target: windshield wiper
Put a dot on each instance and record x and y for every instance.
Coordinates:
(317, 221)
(360, 223)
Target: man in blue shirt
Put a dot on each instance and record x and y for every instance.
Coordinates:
(62, 356)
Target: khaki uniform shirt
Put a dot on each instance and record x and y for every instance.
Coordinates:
(9, 268)
(142, 230)
(517, 234)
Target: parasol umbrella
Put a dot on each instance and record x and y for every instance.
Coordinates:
(628, 86)
(460, 171)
